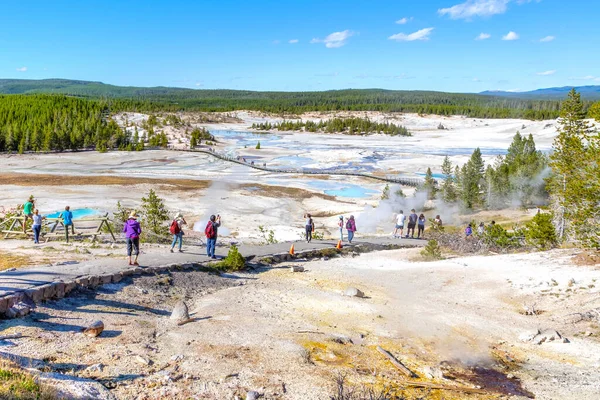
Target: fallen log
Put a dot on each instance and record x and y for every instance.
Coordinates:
(13, 336)
(440, 386)
(396, 363)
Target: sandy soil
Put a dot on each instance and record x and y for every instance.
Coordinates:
(287, 335)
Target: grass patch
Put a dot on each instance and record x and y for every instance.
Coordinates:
(17, 384)
(8, 261)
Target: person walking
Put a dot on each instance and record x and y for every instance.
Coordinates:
(28, 212)
(176, 230)
(67, 217)
(309, 227)
(351, 227)
(341, 226)
(481, 229)
(437, 222)
(412, 223)
(132, 230)
(400, 219)
(211, 235)
(37, 226)
(468, 231)
(421, 225)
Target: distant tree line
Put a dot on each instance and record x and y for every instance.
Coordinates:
(350, 126)
(56, 122)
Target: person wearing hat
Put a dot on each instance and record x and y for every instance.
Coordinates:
(341, 226)
(28, 212)
(176, 230)
(132, 230)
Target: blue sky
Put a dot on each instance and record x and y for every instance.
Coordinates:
(446, 45)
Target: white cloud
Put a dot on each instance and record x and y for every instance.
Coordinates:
(586, 78)
(22, 69)
(476, 80)
(547, 39)
(293, 41)
(276, 41)
(335, 40)
(475, 8)
(199, 84)
(510, 36)
(546, 73)
(422, 34)
(483, 36)
(404, 20)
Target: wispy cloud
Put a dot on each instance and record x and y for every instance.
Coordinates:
(546, 73)
(404, 20)
(22, 69)
(476, 80)
(479, 8)
(483, 36)
(475, 8)
(547, 39)
(422, 34)
(585, 78)
(293, 41)
(335, 40)
(276, 41)
(510, 36)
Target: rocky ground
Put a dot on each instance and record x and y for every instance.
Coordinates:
(511, 325)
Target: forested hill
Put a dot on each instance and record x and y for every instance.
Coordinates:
(591, 92)
(174, 99)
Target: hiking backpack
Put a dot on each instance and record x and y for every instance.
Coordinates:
(174, 229)
(209, 231)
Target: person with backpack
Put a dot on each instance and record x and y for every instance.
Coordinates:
(176, 230)
(351, 228)
(421, 225)
(341, 226)
(412, 223)
(400, 219)
(468, 231)
(309, 227)
(132, 230)
(211, 235)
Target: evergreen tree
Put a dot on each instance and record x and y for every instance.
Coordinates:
(448, 186)
(594, 111)
(258, 145)
(574, 186)
(430, 186)
(154, 212)
(472, 181)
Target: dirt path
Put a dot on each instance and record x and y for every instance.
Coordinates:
(288, 335)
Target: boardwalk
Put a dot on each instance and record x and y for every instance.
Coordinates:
(308, 171)
(54, 281)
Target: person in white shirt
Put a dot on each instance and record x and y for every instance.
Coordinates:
(399, 224)
(37, 226)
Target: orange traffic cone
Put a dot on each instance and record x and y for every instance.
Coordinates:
(339, 245)
(292, 250)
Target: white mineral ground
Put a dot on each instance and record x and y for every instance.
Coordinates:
(461, 309)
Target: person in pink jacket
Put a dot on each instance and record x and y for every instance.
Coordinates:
(351, 228)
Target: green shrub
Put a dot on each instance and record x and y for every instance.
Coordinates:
(540, 232)
(497, 236)
(432, 251)
(268, 235)
(233, 262)
(258, 146)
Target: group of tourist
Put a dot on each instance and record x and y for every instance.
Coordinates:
(33, 214)
(414, 221)
(480, 229)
